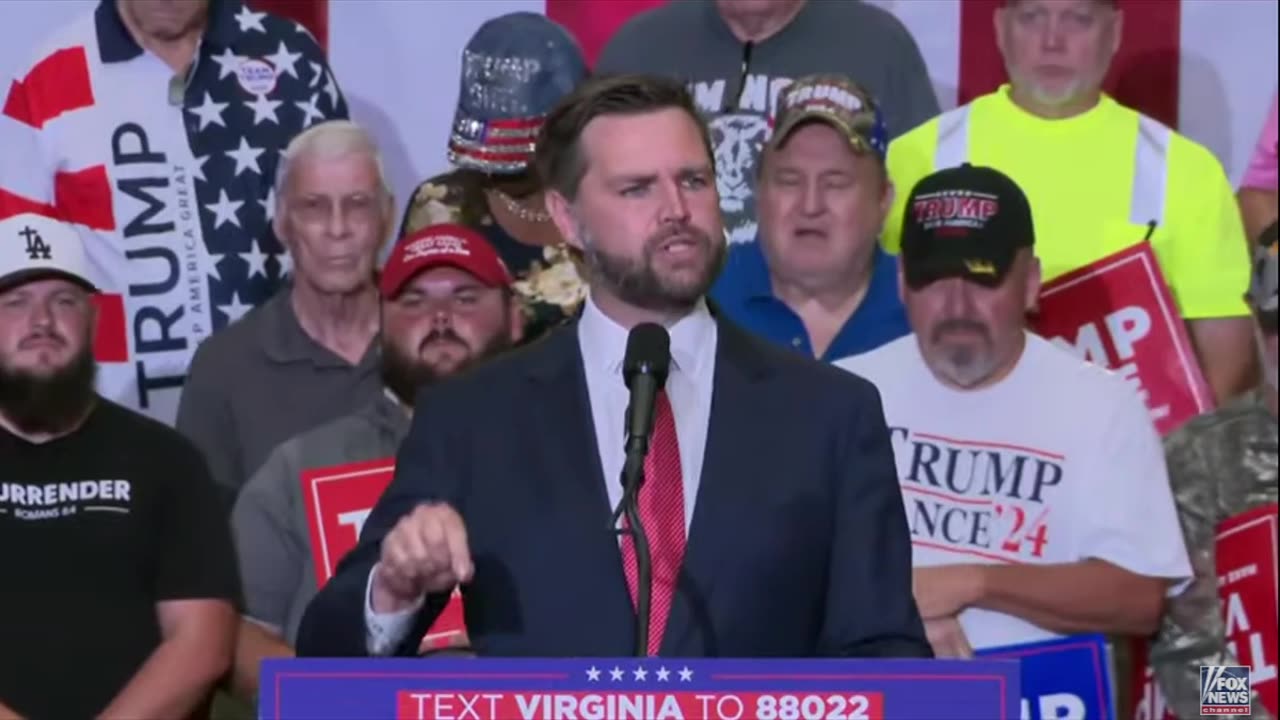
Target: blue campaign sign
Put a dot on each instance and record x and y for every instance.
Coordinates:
(1064, 678)
(638, 689)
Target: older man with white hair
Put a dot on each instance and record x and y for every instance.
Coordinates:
(309, 354)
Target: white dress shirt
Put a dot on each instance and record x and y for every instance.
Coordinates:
(604, 343)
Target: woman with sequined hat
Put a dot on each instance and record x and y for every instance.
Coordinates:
(514, 70)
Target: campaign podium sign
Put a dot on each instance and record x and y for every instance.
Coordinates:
(638, 689)
(1245, 557)
(338, 499)
(1118, 313)
(1062, 678)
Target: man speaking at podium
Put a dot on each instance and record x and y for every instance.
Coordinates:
(769, 499)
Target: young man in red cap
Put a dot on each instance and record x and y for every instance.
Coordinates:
(446, 305)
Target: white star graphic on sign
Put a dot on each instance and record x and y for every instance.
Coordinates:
(310, 111)
(236, 309)
(283, 60)
(269, 204)
(331, 89)
(224, 211)
(256, 259)
(640, 674)
(593, 673)
(246, 157)
(686, 674)
(209, 112)
(317, 72)
(663, 674)
(264, 109)
(250, 20)
(228, 63)
(285, 260)
(615, 674)
(197, 169)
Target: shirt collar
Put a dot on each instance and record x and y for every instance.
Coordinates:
(284, 341)
(754, 270)
(604, 342)
(116, 43)
(757, 284)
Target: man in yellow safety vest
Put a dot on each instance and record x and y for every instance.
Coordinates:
(1099, 175)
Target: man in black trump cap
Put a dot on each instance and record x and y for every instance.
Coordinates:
(1034, 483)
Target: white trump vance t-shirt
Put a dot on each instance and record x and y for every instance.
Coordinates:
(1058, 462)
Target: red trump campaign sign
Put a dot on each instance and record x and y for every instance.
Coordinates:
(338, 500)
(1246, 556)
(1118, 313)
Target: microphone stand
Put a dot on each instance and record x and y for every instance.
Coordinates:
(632, 479)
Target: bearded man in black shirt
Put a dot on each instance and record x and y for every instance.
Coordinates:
(119, 577)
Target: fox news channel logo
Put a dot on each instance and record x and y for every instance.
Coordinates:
(1224, 690)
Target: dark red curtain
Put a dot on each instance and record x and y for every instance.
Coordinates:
(593, 22)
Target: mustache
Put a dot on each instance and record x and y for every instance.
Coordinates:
(680, 232)
(441, 336)
(959, 325)
(56, 337)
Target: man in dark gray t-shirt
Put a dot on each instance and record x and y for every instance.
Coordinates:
(737, 55)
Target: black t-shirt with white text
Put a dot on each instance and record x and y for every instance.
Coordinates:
(96, 527)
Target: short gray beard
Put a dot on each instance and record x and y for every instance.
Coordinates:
(1066, 96)
(963, 366)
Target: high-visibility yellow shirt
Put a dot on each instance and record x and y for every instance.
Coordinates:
(1094, 182)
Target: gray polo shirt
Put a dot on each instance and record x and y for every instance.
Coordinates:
(270, 524)
(262, 380)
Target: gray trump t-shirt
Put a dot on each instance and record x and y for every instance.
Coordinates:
(687, 39)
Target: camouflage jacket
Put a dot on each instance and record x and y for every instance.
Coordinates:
(1220, 465)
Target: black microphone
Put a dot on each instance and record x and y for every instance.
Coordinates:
(644, 369)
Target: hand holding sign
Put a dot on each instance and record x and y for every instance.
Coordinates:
(426, 552)
(943, 591)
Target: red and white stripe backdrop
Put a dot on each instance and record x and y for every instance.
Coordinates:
(1206, 67)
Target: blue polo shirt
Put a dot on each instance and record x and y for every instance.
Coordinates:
(745, 294)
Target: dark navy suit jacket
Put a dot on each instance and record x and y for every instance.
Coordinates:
(798, 545)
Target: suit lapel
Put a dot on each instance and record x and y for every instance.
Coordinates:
(572, 462)
(711, 533)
